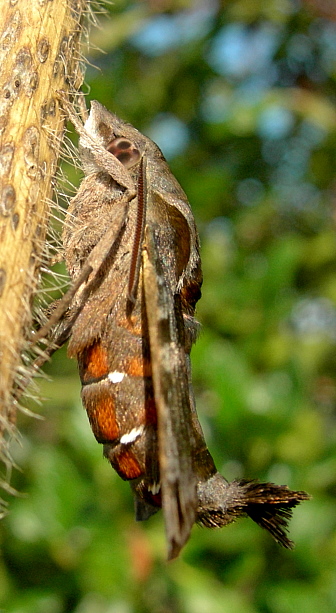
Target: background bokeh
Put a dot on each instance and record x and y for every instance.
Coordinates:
(240, 95)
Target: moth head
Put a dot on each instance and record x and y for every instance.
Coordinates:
(114, 135)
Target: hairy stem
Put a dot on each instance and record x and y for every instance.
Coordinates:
(39, 56)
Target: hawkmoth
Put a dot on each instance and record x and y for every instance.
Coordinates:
(132, 250)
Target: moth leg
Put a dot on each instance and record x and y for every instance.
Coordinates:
(82, 106)
(62, 306)
(68, 108)
(139, 233)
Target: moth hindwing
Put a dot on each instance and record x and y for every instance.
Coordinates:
(131, 248)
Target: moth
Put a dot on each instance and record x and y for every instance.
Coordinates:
(132, 251)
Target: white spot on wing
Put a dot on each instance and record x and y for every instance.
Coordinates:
(154, 488)
(131, 436)
(115, 376)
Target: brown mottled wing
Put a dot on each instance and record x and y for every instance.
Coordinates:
(171, 389)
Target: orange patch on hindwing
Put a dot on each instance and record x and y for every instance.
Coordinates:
(100, 407)
(138, 367)
(126, 465)
(94, 362)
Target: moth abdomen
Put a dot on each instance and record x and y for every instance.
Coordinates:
(267, 504)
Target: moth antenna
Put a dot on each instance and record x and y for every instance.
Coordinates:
(139, 233)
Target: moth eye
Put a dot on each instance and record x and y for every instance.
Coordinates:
(123, 144)
(125, 151)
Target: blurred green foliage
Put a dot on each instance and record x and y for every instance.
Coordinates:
(240, 95)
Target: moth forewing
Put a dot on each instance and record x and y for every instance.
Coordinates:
(172, 398)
